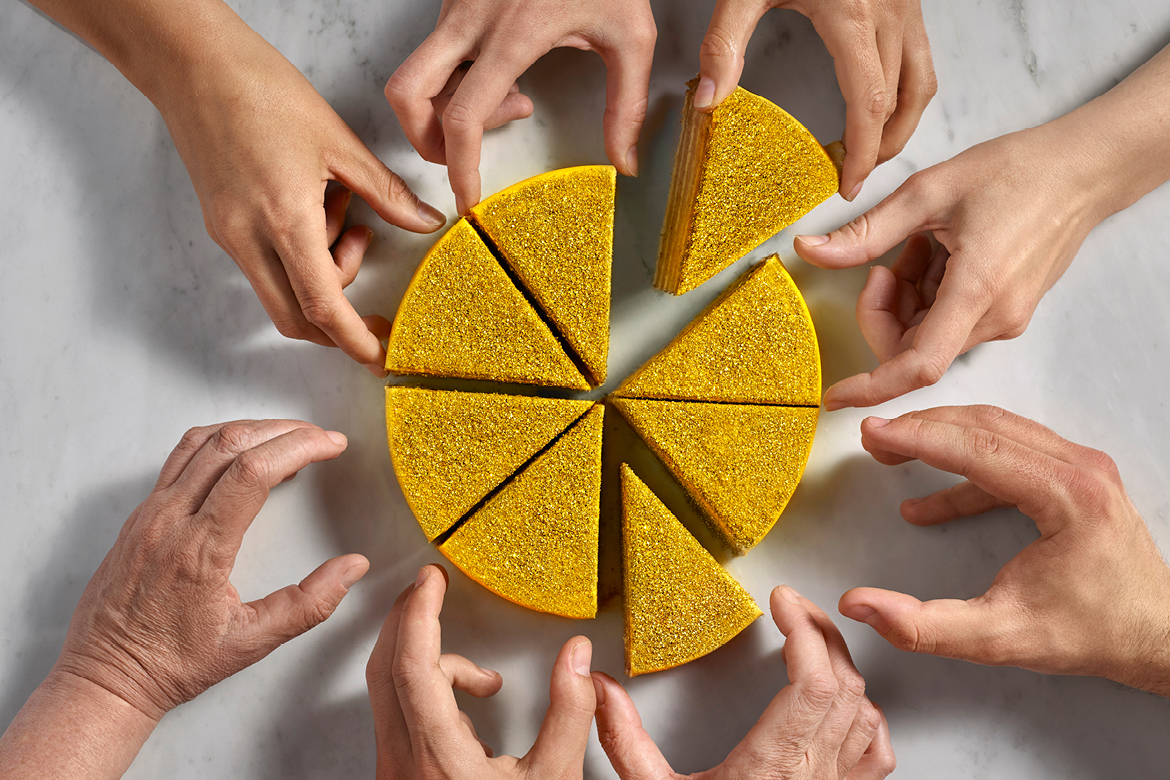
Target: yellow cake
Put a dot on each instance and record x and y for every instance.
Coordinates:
(463, 317)
(450, 449)
(753, 344)
(555, 232)
(740, 463)
(742, 173)
(535, 541)
(680, 604)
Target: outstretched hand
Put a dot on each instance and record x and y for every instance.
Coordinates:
(1089, 597)
(883, 65)
(420, 731)
(462, 80)
(820, 726)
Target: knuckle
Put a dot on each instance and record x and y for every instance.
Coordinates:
(406, 670)
(459, 116)
(717, 44)
(982, 443)
(1091, 492)
(1104, 463)
(643, 32)
(320, 311)
(232, 438)
(887, 763)
(397, 189)
(876, 103)
(851, 686)
(931, 369)
(928, 87)
(291, 328)
(192, 440)
(819, 689)
(987, 415)
(398, 90)
(251, 470)
(316, 611)
(905, 635)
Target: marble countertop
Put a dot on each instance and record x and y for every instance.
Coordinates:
(122, 324)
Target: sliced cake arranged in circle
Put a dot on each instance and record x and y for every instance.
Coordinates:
(534, 541)
(555, 233)
(450, 449)
(742, 173)
(679, 602)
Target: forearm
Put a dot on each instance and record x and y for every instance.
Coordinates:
(72, 728)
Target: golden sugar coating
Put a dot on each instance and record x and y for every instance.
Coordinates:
(463, 317)
(450, 449)
(555, 230)
(755, 171)
(739, 463)
(753, 344)
(535, 542)
(679, 602)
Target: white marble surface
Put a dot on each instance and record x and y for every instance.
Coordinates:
(122, 324)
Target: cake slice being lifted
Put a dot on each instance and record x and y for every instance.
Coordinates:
(535, 541)
(555, 232)
(463, 317)
(742, 173)
(754, 344)
(450, 449)
(679, 602)
(740, 463)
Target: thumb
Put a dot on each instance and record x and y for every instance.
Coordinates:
(721, 54)
(386, 192)
(291, 611)
(871, 235)
(968, 630)
(559, 750)
(630, 749)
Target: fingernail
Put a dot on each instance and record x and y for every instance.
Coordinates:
(833, 404)
(632, 160)
(913, 501)
(599, 691)
(376, 370)
(431, 215)
(813, 240)
(877, 422)
(582, 655)
(352, 575)
(789, 594)
(705, 92)
(345, 199)
(422, 576)
(861, 613)
(488, 672)
(369, 237)
(854, 192)
(337, 438)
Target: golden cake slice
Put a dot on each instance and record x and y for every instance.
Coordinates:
(535, 541)
(450, 449)
(463, 317)
(742, 173)
(739, 463)
(680, 604)
(555, 231)
(754, 344)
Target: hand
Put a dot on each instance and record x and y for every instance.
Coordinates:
(820, 726)
(1009, 216)
(420, 731)
(883, 65)
(160, 622)
(261, 144)
(445, 107)
(1091, 596)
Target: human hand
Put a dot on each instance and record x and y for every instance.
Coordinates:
(445, 107)
(261, 145)
(421, 732)
(160, 621)
(1091, 596)
(883, 64)
(1009, 216)
(820, 726)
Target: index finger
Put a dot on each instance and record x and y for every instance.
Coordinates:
(312, 273)
(420, 78)
(940, 338)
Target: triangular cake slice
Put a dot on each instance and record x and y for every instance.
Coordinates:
(739, 463)
(555, 231)
(754, 344)
(463, 317)
(742, 173)
(535, 541)
(450, 449)
(680, 604)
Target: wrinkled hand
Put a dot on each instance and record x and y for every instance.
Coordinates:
(1008, 223)
(820, 726)
(882, 59)
(420, 731)
(160, 622)
(445, 106)
(261, 145)
(1091, 596)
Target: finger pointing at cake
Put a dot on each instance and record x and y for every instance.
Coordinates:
(883, 64)
(462, 80)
